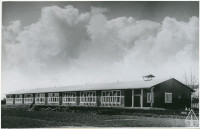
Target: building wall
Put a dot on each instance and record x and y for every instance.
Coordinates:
(181, 95)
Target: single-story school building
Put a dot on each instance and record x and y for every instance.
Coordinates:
(159, 93)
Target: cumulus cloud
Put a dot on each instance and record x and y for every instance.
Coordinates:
(66, 46)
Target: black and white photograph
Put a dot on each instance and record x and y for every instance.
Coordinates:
(89, 64)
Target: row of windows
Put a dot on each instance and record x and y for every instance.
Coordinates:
(9, 96)
(9, 99)
(40, 95)
(168, 97)
(53, 99)
(28, 99)
(56, 100)
(73, 94)
(88, 93)
(69, 99)
(111, 93)
(18, 100)
(88, 97)
(28, 95)
(18, 96)
(70, 94)
(40, 100)
(53, 94)
(109, 99)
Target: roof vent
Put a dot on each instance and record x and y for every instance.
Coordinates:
(148, 77)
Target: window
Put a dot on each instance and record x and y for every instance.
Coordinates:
(168, 97)
(28, 98)
(9, 99)
(150, 97)
(111, 97)
(69, 97)
(88, 97)
(40, 98)
(53, 97)
(18, 98)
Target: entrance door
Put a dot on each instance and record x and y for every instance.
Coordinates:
(136, 101)
(128, 98)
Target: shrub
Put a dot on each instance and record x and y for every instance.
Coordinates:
(3, 102)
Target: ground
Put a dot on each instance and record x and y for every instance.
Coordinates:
(21, 117)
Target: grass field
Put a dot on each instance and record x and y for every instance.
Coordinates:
(20, 117)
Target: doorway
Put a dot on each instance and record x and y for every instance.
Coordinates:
(136, 101)
(137, 98)
(128, 98)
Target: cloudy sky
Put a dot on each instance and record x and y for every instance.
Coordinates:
(47, 44)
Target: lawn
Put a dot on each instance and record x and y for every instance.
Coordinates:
(20, 117)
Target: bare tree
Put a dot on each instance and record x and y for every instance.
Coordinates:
(190, 79)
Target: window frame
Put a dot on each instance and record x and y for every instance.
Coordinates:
(18, 98)
(151, 100)
(69, 97)
(87, 97)
(40, 98)
(53, 98)
(28, 98)
(166, 97)
(148, 97)
(9, 99)
(108, 97)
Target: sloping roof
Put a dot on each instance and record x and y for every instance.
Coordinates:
(103, 86)
(184, 85)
